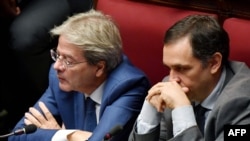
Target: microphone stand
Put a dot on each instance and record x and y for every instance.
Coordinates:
(7, 135)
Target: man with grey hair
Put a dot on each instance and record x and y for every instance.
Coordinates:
(89, 66)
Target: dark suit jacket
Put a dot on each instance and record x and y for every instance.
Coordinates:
(232, 107)
(123, 96)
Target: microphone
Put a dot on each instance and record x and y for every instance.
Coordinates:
(115, 130)
(25, 130)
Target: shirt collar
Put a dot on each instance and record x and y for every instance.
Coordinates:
(211, 99)
(97, 94)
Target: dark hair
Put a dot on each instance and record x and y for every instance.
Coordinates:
(205, 34)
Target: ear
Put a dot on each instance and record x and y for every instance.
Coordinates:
(215, 62)
(100, 68)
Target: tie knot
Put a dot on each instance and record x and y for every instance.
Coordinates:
(89, 101)
(200, 109)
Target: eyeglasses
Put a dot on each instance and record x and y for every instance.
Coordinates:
(66, 63)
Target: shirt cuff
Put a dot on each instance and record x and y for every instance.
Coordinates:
(148, 119)
(183, 118)
(61, 135)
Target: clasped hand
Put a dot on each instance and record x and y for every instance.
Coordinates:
(168, 95)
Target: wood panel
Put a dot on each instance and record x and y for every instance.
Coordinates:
(223, 8)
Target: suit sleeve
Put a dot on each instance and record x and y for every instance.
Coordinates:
(40, 134)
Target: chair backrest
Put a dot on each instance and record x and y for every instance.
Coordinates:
(142, 27)
(239, 34)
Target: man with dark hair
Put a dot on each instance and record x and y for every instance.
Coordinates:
(204, 89)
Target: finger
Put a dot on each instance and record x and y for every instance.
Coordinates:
(155, 90)
(185, 89)
(151, 95)
(160, 106)
(37, 115)
(27, 122)
(31, 119)
(46, 111)
(155, 101)
(152, 92)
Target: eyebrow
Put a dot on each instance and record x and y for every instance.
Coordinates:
(66, 56)
(178, 66)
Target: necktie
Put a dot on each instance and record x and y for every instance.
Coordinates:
(200, 117)
(90, 115)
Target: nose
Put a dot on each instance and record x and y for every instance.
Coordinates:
(58, 65)
(173, 76)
